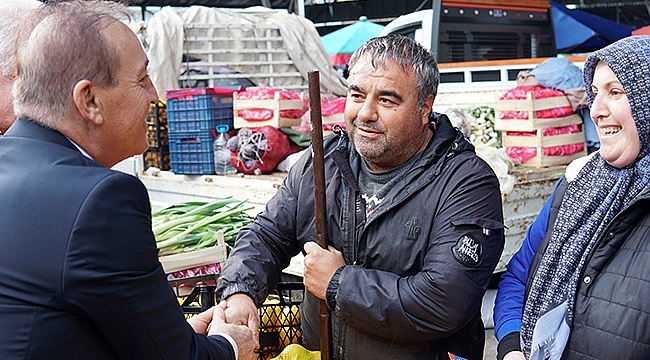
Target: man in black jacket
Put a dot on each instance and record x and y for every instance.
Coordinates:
(414, 221)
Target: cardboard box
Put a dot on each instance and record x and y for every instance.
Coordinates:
(537, 125)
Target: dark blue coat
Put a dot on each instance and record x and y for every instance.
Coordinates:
(79, 272)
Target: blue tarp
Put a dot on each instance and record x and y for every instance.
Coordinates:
(579, 31)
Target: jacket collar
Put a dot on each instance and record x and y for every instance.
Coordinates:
(446, 138)
(446, 141)
(28, 128)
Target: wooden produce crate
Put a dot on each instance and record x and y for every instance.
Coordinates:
(537, 125)
(182, 261)
(333, 119)
(275, 104)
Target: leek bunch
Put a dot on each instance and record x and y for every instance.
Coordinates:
(193, 225)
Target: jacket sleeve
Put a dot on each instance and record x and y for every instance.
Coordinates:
(265, 247)
(112, 278)
(509, 302)
(444, 293)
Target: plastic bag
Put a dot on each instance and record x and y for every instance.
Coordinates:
(328, 108)
(334, 107)
(460, 120)
(259, 150)
(500, 164)
(297, 352)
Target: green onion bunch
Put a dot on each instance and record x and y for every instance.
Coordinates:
(193, 225)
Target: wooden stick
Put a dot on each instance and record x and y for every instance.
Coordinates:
(320, 206)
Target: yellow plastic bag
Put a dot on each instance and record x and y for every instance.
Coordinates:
(297, 352)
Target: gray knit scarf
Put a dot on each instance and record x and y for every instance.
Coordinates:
(594, 198)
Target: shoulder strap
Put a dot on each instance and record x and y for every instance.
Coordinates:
(558, 195)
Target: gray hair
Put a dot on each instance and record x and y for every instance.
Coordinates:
(409, 55)
(12, 13)
(66, 46)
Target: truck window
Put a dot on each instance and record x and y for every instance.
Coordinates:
(410, 31)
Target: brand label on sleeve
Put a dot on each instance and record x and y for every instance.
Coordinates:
(467, 251)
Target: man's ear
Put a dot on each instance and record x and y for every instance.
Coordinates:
(85, 99)
(427, 107)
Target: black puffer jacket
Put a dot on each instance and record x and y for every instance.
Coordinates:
(612, 311)
(418, 265)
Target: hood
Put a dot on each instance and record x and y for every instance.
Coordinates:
(629, 59)
(445, 138)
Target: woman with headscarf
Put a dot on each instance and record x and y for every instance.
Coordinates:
(579, 287)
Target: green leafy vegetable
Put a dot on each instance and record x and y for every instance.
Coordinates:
(190, 226)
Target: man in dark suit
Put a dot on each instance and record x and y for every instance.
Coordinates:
(79, 273)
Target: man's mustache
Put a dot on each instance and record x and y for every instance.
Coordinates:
(373, 125)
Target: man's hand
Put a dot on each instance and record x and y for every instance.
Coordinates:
(241, 310)
(200, 322)
(514, 355)
(320, 266)
(240, 333)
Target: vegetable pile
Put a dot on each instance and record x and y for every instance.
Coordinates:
(483, 132)
(190, 226)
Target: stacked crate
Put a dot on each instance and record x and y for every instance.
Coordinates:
(157, 155)
(193, 116)
(280, 320)
(276, 105)
(537, 125)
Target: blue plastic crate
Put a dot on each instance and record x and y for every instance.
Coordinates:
(192, 153)
(191, 110)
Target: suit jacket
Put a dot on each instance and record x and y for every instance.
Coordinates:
(79, 270)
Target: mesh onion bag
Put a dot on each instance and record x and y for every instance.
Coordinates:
(523, 154)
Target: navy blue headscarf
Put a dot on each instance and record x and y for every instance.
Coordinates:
(592, 200)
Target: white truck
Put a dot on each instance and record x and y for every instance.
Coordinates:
(481, 45)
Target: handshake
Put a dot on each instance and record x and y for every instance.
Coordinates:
(236, 319)
(240, 328)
